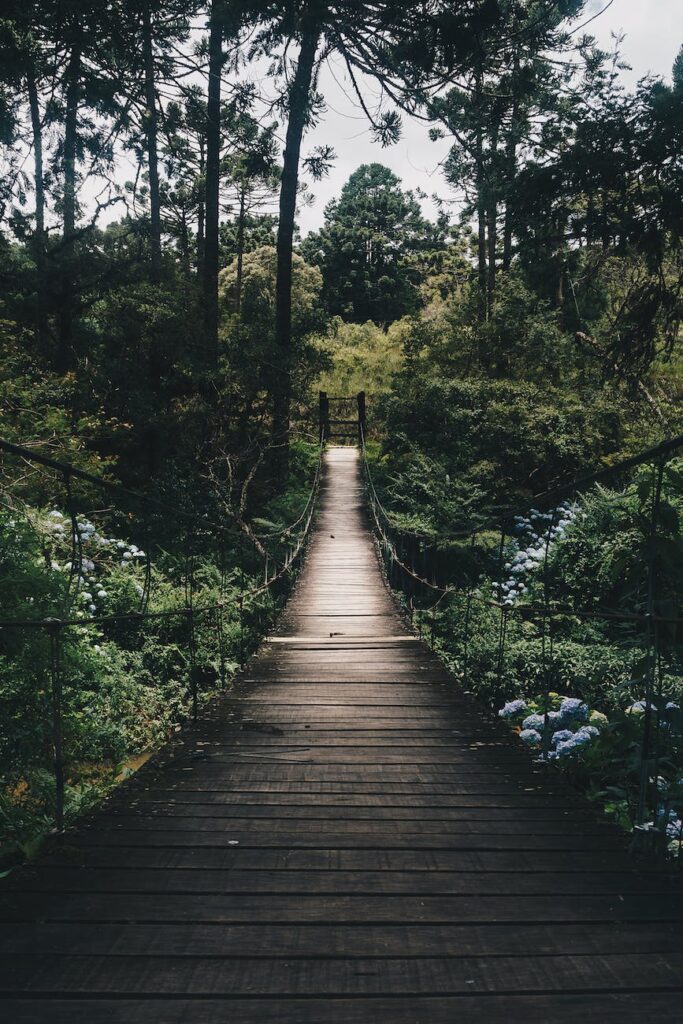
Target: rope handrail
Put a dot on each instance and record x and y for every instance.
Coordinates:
(311, 497)
(542, 499)
(57, 626)
(111, 486)
(654, 639)
(52, 622)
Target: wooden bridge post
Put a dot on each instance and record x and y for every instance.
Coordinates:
(361, 417)
(324, 417)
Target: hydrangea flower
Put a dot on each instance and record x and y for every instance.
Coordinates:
(597, 719)
(639, 707)
(566, 748)
(534, 721)
(512, 709)
(674, 829)
(561, 736)
(530, 736)
(573, 709)
(577, 741)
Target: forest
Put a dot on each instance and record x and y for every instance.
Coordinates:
(166, 328)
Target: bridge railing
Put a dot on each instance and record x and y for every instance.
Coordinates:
(504, 577)
(224, 579)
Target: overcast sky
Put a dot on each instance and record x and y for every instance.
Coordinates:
(654, 35)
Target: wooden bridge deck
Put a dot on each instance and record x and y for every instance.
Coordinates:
(345, 840)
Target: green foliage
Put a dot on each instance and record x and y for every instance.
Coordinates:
(364, 357)
(126, 680)
(501, 439)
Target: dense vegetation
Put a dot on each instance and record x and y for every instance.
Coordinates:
(164, 326)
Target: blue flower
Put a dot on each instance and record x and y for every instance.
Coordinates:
(534, 722)
(579, 740)
(566, 748)
(530, 736)
(573, 709)
(674, 829)
(512, 709)
(561, 736)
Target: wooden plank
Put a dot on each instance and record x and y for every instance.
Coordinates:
(304, 908)
(339, 977)
(335, 859)
(560, 1008)
(388, 839)
(347, 940)
(336, 882)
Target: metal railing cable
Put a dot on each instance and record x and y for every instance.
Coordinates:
(57, 625)
(434, 570)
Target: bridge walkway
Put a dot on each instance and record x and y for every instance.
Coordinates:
(345, 839)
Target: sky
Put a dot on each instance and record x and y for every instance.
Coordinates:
(654, 34)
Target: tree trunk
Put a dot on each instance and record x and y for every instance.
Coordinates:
(70, 140)
(492, 218)
(559, 284)
(510, 169)
(37, 132)
(200, 213)
(184, 244)
(151, 132)
(213, 157)
(480, 186)
(66, 311)
(39, 185)
(298, 112)
(240, 250)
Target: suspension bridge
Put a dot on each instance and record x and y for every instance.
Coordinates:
(346, 836)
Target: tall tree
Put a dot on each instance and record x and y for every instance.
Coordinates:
(370, 246)
(151, 131)
(518, 76)
(212, 176)
(402, 46)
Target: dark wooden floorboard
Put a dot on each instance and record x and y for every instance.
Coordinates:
(348, 838)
